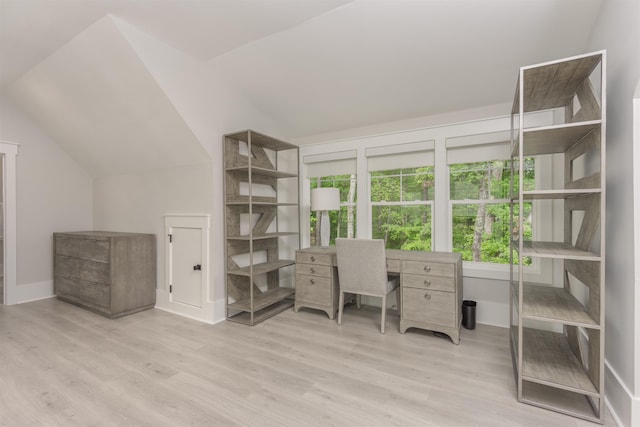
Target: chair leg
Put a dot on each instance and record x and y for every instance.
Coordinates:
(383, 314)
(340, 306)
(358, 301)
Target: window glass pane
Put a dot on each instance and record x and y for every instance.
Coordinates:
(403, 227)
(395, 185)
(343, 222)
(404, 223)
(480, 230)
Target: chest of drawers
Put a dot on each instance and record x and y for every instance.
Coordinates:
(113, 274)
(431, 293)
(317, 283)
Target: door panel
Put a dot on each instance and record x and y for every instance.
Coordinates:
(186, 252)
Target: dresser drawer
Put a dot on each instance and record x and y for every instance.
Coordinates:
(95, 250)
(311, 258)
(428, 306)
(313, 289)
(313, 270)
(82, 269)
(429, 268)
(428, 282)
(83, 291)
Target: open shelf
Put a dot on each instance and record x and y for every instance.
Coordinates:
(244, 317)
(263, 299)
(553, 84)
(261, 268)
(256, 170)
(556, 250)
(548, 360)
(555, 138)
(557, 329)
(548, 303)
(263, 236)
(256, 201)
(559, 194)
(259, 186)
(559, 400)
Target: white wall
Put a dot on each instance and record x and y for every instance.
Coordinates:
(53, 194)
(618, 31)
(138, 202)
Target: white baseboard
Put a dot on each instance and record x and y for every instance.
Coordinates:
(29, 292)
(623, 406)
(211, 312)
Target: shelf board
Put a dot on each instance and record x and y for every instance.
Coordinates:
(548, 303)
(553, 84)
(558, 400)
(261, 268)
(548, 360)
(255, 170)
(263, 300)
(555, 138)
(558, 250)
(262, 315)
(256, 201)
(263, 140)
(264, 236)
(558, 194)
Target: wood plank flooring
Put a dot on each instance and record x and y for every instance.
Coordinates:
(61, 365)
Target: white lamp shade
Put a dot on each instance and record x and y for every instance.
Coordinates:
(325, 199)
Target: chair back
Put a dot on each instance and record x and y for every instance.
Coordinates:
(362, 266)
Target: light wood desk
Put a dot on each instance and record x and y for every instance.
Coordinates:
(430, 286)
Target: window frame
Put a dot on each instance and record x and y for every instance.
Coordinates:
(433, 138)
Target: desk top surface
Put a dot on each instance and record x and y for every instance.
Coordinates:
(397, 254)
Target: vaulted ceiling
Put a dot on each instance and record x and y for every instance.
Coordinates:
(97, 76)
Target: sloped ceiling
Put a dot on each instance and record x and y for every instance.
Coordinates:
(377, 61)
(312, 67)
(106, 110)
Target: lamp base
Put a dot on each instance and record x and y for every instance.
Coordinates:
(325, 226)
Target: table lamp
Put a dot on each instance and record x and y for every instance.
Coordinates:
(324, 200)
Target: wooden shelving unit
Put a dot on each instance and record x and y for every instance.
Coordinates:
(256, 167)
(557, 329)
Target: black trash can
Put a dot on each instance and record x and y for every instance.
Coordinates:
(469, 314)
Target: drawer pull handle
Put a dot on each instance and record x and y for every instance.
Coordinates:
(427, 269)
(427, 282)
(427, 296)
(313, 259)
(313, 270)
(313, 282)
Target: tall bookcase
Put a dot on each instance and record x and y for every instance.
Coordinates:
(261, 225)
(557, 328)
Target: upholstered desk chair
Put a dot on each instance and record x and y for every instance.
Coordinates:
(362, 270)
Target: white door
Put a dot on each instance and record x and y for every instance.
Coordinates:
(186, 266)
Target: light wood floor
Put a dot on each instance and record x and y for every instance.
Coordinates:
(63, 366)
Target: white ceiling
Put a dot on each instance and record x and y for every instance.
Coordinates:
(312, 66)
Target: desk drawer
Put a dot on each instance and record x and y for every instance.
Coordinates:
(311, 258)
(313, 270)
(429, 268)
(313, 289)
(428, 282)
(428, 306)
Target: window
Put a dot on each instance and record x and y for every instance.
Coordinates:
(343, 222)
(401, 207)
(479, 196)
